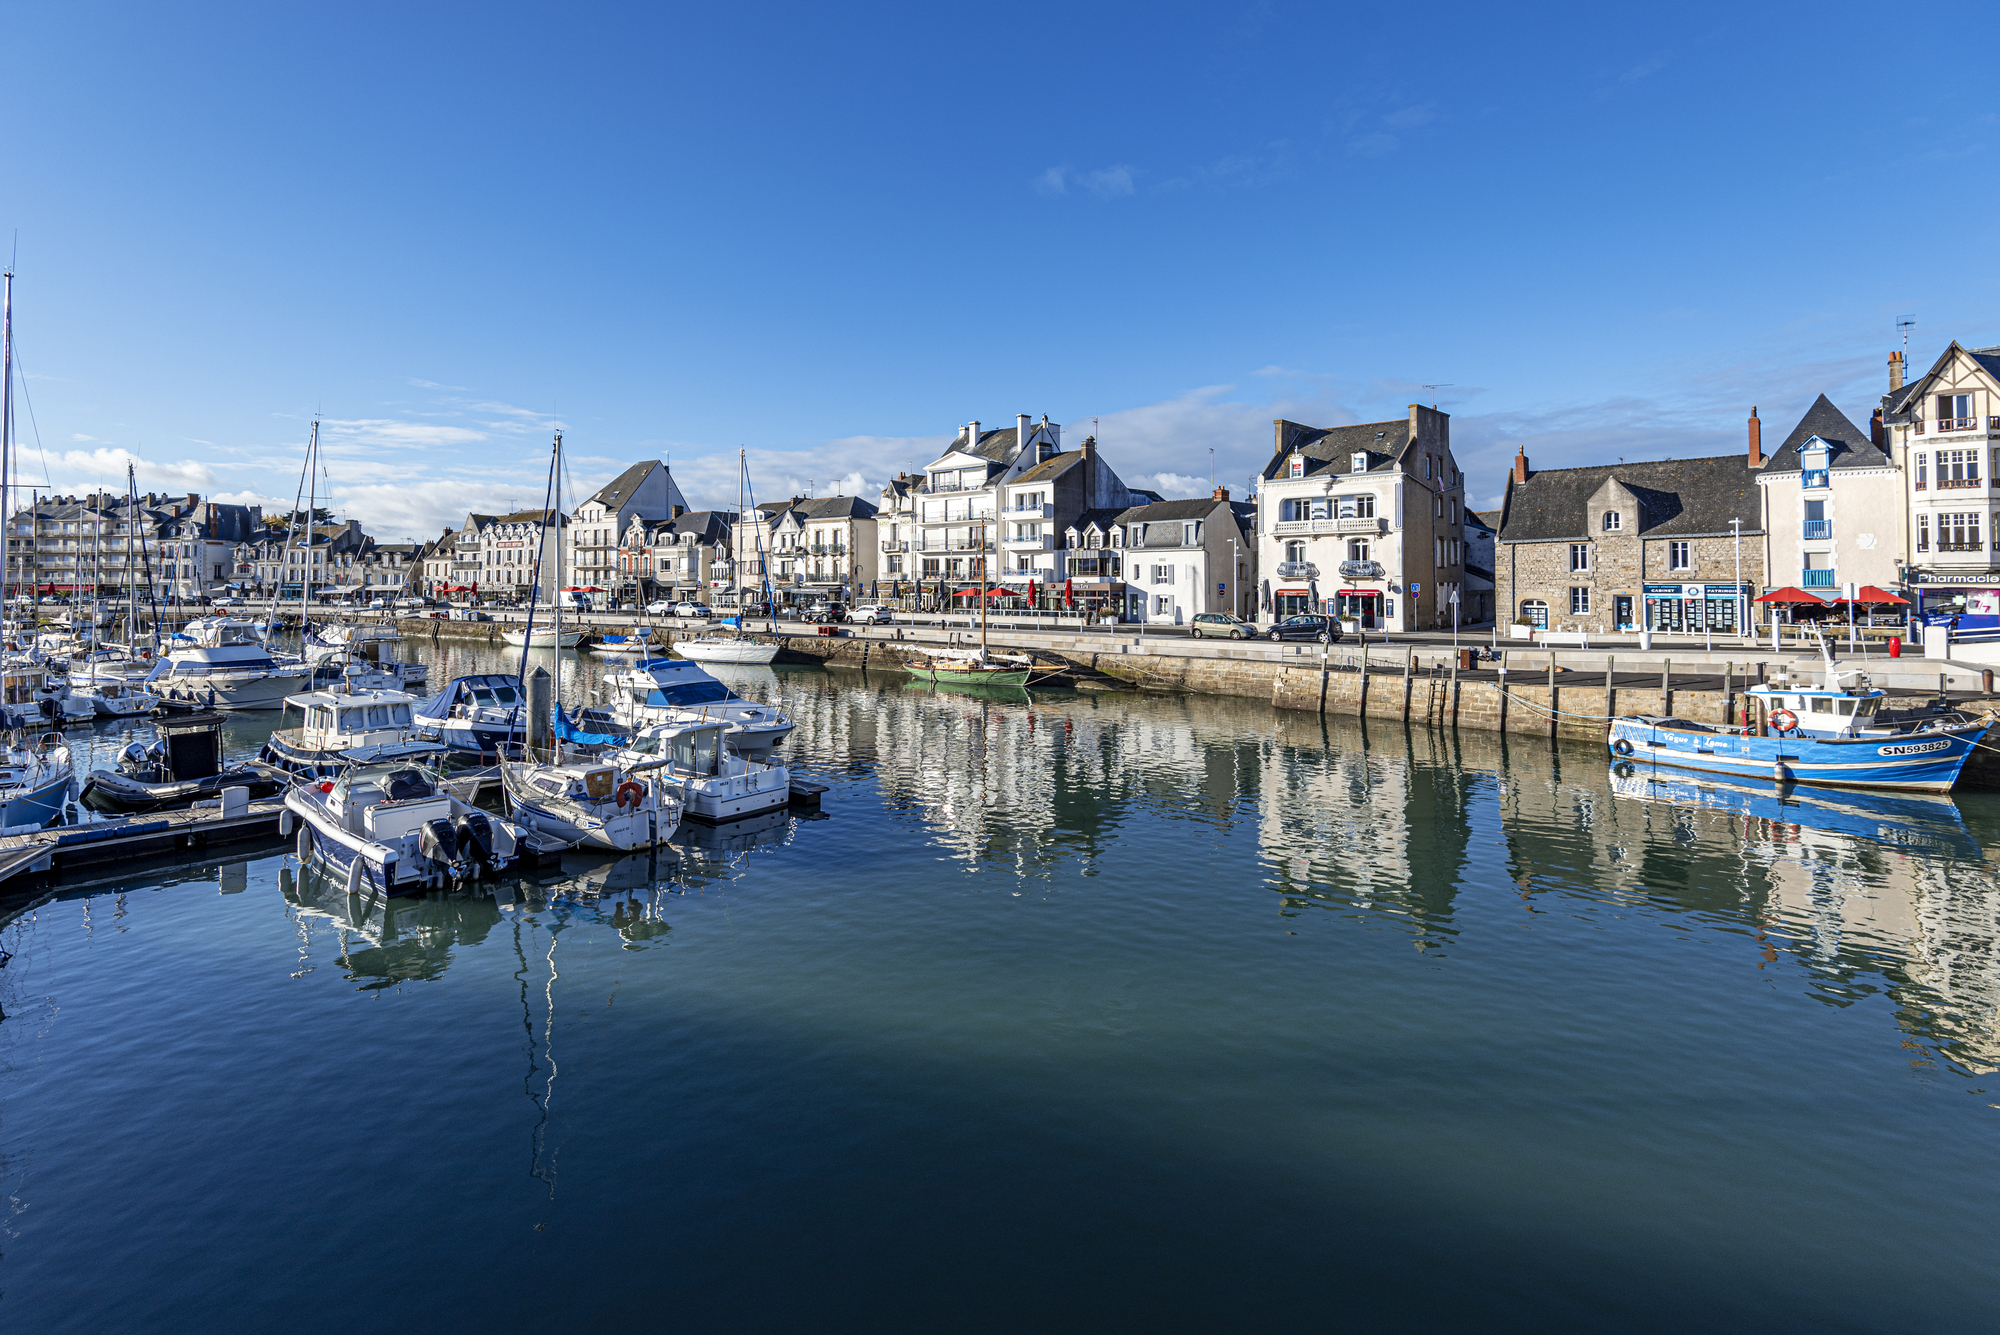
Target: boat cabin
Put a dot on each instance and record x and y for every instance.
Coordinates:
(694, 751)
(386, 802)
(190, 747)
(339, 721)
(1819, 711)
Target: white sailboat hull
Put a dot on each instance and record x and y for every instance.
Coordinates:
(726, 651)
(543, 639)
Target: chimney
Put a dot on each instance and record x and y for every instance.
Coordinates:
(1756, 439)
(1089, 447)
(194, 501)
(1878, 435)
(1222, 493)
(1520, 465)
(1021, 426)
(972, 435)
(1895, 371)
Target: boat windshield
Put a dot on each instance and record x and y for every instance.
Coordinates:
(698, 751)
(694, 693)
(493, 695)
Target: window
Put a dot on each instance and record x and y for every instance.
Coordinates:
(1162, 605)
(1163, 574)
(1358, 549)
(1536, 613)
(1613, 521)
(1680, 556)
(1190, 534)
(1958, 468)
(1579, 556)
(1579, 602)
(1427, 467)
(1954, 414)
(1923, 470)
(1358, 462)
(1959, 532)
(1358, 506)
(1437, 506)
(1295, 552)
(1298, 466)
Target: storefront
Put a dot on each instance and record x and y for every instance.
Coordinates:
(1362, 605)
(1690, 609)
(1291, 603)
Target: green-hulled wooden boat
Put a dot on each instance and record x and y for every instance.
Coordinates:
(968, 671)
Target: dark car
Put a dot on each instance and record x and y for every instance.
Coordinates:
(1306, 626)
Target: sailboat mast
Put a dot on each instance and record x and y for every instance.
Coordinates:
(556, 685)
(131, 573)
(982, 576)
(312, 512)
(742, 463)
(6, 441)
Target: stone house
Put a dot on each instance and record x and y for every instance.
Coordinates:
(1668, 545)
(1365, 522)
(1943, 431)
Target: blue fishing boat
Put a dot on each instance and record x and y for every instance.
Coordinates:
(1913, 822)
(1837, 732)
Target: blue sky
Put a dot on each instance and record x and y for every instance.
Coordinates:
(832, 234)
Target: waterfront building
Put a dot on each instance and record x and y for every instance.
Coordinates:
(956, 507)
(646, 490)
(503, 550)
(1069, 497)
(1184, 558)
(388, 569)
(896, 530)
(1832, 504)
(1364, 522)
(752, 536)
(1943, 429)
(101, 541)
(1482, 530)
(1666, 545)
(684, 558)
(824, 548)
(435, 563)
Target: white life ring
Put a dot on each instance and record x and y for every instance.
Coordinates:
(1784, 720)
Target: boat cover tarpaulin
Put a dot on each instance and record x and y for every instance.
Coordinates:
(569, 732)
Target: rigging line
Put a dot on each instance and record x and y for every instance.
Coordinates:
(33, 425)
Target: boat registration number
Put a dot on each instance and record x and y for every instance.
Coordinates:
(1913, 748)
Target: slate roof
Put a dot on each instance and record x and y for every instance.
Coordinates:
(834, 507)
(999, 446)
(1898, 402)
(1490, 518)
(708, 526)
(619, 489)
(1052, 467)
(1166, 511)
(535, 516)
(1333, 448)
(1677, 497)
(1850, 446)
(1103, 518)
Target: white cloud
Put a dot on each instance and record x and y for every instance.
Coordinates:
(104, 462)
(390, 433)
(1377, 145)
(1104, 182)
(1051, 182)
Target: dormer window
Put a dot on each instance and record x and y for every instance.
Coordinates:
(1297, 467)
(1358, 462)
(1613, 521)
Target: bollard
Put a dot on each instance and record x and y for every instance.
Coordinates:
(1895, 646)
(1667, 687)
(541, 712)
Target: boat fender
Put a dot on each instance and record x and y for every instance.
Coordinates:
(1622, 747)
(48, 707)
(1784, 720)
(284, 823)
(354, 877)
(305, 845)
(326, 786)
(635, 788)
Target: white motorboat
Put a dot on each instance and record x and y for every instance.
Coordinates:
(624, 646)
(228, 667)
(35, 779)
(595, 803)
(673, 690)
(341, 729)
(725, 649)
(543, 637)
(478, 714)
(394, 829)
(33, 687)
(359, 653)
(716, 782)
(111, 698)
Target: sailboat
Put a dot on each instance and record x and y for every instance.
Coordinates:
(962, 666)
(551, 636)
(731, 648)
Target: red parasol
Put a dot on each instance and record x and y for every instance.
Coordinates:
(1069, 593)
(1791, 594)
(1868, 593)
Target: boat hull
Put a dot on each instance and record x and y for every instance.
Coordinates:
(37, 807)
(971, 676)
(520, 639)
(1929, 761)
(726, 651)
(264, 691)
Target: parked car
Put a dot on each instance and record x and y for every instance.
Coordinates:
(827, 612)
(1221, 625)
(468, 614)
(378, 604)
(575, 600)
(230, 601)
(693, 610)
(872, 614)
(660, 607)
(412, 604)
(1306, 626)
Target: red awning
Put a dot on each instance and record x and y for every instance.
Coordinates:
(1361, 593)
(1790, 594)
(1868, 593)
(1291, 593)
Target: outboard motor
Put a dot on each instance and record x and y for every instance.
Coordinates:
(438, 843)
(137, 761)
(475, 837)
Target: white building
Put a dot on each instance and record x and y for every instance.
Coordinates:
(1183, 558)
(825, 548)
(1832, 502)
(1943, 428)
(1049, 509)
(956, 510)
(647, 491)
(504, 550)
(1364, 522)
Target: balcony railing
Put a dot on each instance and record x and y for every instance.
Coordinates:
(1030, 512)
(1813, 477)
(895, 545)
(1360, 569)
(1949, 483)
(1297, 570)
(1816, 579)
(1039, 542)
(1972, 546)
(1819, 528)
(1093, 569)
(1958, 424)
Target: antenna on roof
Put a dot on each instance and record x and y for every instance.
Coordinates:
(1434, 392)
(1903, 327)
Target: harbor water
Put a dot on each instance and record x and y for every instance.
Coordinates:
(1069, 1011)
